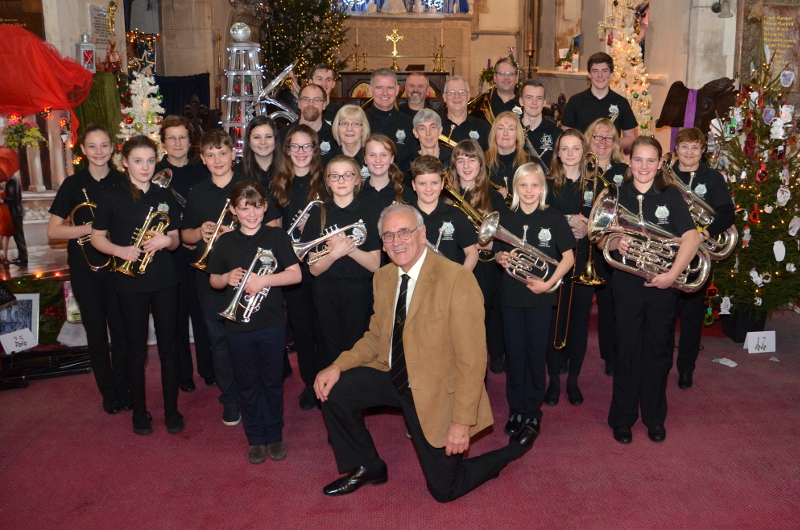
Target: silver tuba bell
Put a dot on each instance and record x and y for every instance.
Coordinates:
(652, 250)
(526, 261)
(252, 303)
(358, 235)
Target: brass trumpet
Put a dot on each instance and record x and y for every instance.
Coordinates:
(252, 302)
(651, 248)
(83, 240)
(142, 235)
(720, 246)
(202, 263)
(358, 236)
(526, 261)
(301, 217)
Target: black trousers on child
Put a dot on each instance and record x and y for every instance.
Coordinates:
(526, 332)
(302, 316)
(189, 308)
(343, 309)
(691, 311)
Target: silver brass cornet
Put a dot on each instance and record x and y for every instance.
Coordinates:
(525, 261)
(83, 240)
(156, 222)
(652, 250)
(252, 303)
(358, 236)
(300, 217)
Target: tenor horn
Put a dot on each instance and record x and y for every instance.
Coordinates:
(83, 240)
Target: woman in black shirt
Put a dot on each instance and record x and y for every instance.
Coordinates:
(261, 151)
(506, 150)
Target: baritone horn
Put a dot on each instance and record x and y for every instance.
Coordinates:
(202, 263)
(358, 235)
(252, 303)
(525, 261)
(155, 222)
(720, 246)
(83, 240)
(652, 250)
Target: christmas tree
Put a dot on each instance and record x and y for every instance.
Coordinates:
(310, 31)
(755, 146)
(623, 29)
(144, 114)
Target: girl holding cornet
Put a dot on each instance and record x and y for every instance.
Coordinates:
(256, 328)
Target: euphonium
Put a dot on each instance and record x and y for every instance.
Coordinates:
(524, 259)
(252, 302)
(142, 235)
(87, 238)
(651, 248)
(202, 263)
(720, 246)
(358, 236)
(301, 217)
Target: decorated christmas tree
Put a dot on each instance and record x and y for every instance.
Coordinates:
(144, 114)
(755, 146)
(310, 31)
(623, 29)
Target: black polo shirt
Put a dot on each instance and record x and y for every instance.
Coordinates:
(499, 106)
(457, 233)
(543, 138)
(502, 173)
(336, 150)
(324, 137)
(709, 185)
(399, 128)
(346, 268)
(122, 216)
(236, 249)
(183, 179)
(385, 197)
(205, 203)
(69, 195)
(411, 112)
(665, 209)
(298, 200)
(615, 172)
(330, 111)
(584, 107)
(549, 232)
(470, 129)
(498, 202)
(263, 177)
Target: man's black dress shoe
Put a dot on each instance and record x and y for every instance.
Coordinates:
(496, 365)
(657, 433)
(610, 369)
(552, 395)
(514, 424)
(574, 395)
(113, 409)
(127, 406)
(308, 398)
(187, 385)
(623, 435)
(685, 381)
(527, 435)
(356, 478)
(210, 381)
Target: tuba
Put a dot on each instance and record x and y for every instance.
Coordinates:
(268, 96)
(156, 222)
(252, 302)
(83, 240)
(302, 216)
(652, 249)
(482, 104)
(720, 246)
(202, 263)
(358, 236)
(526, 261)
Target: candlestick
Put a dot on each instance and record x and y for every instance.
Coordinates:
(356, 36)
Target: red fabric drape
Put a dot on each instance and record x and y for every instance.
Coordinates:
(9, 163)
(33, 75)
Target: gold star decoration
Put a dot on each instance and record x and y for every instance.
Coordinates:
(757, 11)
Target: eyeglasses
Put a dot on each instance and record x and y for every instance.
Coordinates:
(295, 148)
(346, 176)
(315, 101)
(354, 125)
(456, 92)
(404, 234)
(173, 139)
(606, 139)
(506, 74)
(692, 147)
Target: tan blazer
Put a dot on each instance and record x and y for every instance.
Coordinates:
(444, 341)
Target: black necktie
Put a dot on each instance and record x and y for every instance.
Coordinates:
(398, 369)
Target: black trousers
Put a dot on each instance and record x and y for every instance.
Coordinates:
(644, 358)
(691, 311)
(447, 477)
(489, 276)
(96, 294)
(526, 330)
(578, 334)
(302, 317)
(189, 308)
(135, 309)
(19, 239)
(343, 309)
(606, 321)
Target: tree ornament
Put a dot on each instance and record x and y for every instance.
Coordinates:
(783, 196)
(128, 120)
(791, 267)
(779, 249)
(762, 174)
(757, 301)
(712, 291)
(138, 127)
(767, 208)
(794, 225)
(755, 216)
(745, 237)
(725, 306)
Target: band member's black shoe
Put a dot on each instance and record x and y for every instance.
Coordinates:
(685, 381)
(187, 385)
(356, 478)
(657, 433)
(514, 424)
(623, 435)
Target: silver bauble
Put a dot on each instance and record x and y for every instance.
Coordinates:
(240, 32)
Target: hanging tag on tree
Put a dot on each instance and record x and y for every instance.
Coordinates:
(761, 174)
(779, 249)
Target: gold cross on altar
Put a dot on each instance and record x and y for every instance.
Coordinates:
(394, 38)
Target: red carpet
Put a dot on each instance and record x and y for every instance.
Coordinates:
(729, 460)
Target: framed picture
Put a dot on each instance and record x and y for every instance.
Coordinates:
(20, 314)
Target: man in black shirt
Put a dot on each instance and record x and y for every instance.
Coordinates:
(540, 134)
(384, 118)
(325, 76)
(417, 86)
(599, 101)
(313, 101)
(458, 124)
(504, 95)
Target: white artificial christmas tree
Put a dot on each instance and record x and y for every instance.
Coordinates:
(144, 114)
(623, 29)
